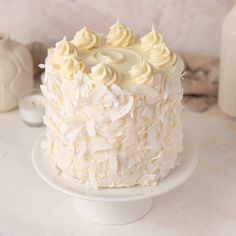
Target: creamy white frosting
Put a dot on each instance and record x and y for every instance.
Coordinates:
(70, 66)
(64, 60)
(62, 48)
(162, 57)
(121, 59)
(120, 35)
(109, 56)
(142, 73)
(150, 39)
(86, 39)
(107, 135)
(105, 74)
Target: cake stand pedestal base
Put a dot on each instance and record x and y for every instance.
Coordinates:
(112, 213)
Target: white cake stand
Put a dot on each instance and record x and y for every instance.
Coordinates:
(118, 205)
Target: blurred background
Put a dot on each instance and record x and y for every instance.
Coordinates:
(188, 25)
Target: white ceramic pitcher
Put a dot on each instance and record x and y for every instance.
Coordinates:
(16, 72)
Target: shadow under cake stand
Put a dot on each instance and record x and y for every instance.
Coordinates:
(115, 206)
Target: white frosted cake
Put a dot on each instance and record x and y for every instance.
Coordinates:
(113, 111)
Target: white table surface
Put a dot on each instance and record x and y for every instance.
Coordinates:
(204, 206)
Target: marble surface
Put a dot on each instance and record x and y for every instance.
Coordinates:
(204, 205)
(188, 25)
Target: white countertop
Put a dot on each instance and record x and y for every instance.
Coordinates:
(205, 205)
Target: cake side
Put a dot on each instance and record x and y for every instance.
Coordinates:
(113, 113)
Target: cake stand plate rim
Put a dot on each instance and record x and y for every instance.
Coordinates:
(175, 178)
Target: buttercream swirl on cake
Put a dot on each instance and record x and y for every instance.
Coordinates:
(148, 40)
(120, 35)
(142, 73)
(109, 56)
(103, 73)
(63, 48)
(64, 59)
(70, 66)
(162, 57)
(86, 39)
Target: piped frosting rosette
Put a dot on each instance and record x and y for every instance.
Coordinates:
(120, 35)
(86, 39)
(150, 39)
(70, 65)
(162, 57)
(142, 73)
(103, 73)
(64, 60)
(62, 48)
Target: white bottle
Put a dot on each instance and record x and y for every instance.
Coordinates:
(227, 83)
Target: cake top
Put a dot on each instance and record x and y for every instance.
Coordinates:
(117, 58)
